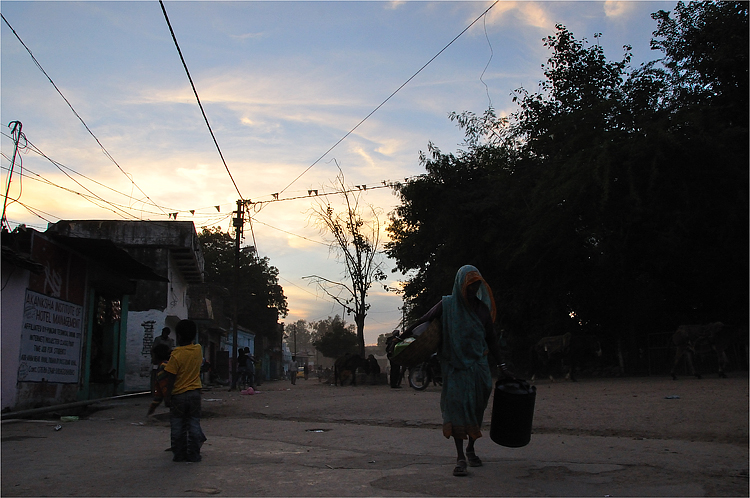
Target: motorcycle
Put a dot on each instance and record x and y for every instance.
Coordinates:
(421, 375)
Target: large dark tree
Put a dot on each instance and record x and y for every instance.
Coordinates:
(261, 299)
(614, 196)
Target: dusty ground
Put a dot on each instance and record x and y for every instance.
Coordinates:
(709, 409)
(596, 437)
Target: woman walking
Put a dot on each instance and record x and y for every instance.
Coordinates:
(467, 317)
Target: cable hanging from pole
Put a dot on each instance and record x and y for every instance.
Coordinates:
(15, 132)
(184, 64)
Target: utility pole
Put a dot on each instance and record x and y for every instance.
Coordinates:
(238, 222)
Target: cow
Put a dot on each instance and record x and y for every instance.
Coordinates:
(702, 339)
(347, 365)
(567, 349)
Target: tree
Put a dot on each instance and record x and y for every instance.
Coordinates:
(334, 338)
(262, 299)
(298, 336)
(614, 196)
(356, 240)
(705, 47)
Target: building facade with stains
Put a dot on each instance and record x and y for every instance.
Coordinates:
(64, 317)
(172, 249)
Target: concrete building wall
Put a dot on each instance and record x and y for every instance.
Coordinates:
(144, 326)
(15, 280)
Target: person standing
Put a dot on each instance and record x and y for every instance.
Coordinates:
(250, 365)
(167, 341)
(293, 370)
(468, 335)
(396, 370)
(183, 394)
(241, 367)
(162, 353)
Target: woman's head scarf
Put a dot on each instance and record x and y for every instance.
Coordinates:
(463, 329)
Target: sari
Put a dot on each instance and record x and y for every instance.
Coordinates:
(467, 380)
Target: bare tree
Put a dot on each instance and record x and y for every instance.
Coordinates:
(356, 241)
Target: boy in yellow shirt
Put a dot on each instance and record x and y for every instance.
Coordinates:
(183, 394)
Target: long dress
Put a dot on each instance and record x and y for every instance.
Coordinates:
(467, 380)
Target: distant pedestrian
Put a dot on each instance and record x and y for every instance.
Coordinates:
(162, 339)
(161, 354)
(183, 394)
(250, 366)
(396, 371)
(293, 370)
(241, 367)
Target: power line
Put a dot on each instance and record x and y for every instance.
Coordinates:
(34, 148)
(17, 137)
(106, 152)
(184, 64)
(290, 233)
(32, 175)
(40, 178)
(212, 219)
(389, 97)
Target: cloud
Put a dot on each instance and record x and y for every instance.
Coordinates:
(529, 13)
(246, 36)
(617, 8)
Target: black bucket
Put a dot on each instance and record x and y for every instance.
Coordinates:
(512, 412)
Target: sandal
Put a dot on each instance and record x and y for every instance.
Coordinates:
(460, 470)
(474, 460)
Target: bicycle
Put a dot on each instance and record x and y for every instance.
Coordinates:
(421, 375)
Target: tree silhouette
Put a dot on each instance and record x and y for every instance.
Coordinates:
(356, 232)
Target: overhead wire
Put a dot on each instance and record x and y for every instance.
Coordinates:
(290, 233)
(34, 148)
(106, 152)
(16, 135)
(30, 146)
(200, 105)
(389, 97)
(492, 54)
(117, 208)
(36, 177)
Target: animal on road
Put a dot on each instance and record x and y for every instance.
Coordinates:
(347, 366)
(713, 338)
(567, 349)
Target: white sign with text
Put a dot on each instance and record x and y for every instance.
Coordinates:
(50, 340)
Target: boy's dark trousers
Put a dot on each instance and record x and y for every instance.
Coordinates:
(185, 421)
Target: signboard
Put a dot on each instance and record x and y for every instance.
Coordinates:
(50, 340)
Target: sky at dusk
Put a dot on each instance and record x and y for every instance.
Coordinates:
(281, 83)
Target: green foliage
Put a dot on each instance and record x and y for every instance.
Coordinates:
(706, 52)
(262, 299)
(298, 336)
(615, 195)
(334, 338)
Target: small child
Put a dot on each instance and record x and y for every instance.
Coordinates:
(161, 356)
(183, 394)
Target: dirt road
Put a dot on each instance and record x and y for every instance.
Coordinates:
(712, 410)
(596, 437)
